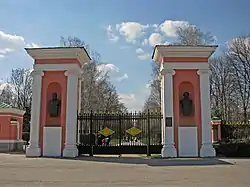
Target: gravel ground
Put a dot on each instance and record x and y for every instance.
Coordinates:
(16, 170)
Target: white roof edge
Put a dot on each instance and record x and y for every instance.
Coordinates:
(182, 51)
(12, 110)
(59, 53)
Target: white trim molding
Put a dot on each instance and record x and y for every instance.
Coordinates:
(78, 53)
(11, 111)
(203, 66)
(56, 67)
(11, 141)
(18, 128)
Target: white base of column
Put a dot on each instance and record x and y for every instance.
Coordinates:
(33, 152)
(168, 151)
(207, 150)
(70, 152)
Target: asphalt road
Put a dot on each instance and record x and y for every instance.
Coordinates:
(18, 171)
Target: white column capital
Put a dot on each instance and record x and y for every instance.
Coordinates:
(37, 72)
(204, 71)
(76, 72)
(167, 71)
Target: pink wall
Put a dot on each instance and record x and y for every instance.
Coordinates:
(8, 131)
(53, 81)
(58, 61)
(186, 80)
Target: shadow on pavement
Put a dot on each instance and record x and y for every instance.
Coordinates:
(156, 162)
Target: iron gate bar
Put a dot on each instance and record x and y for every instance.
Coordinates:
(148, 139)
(90, 136)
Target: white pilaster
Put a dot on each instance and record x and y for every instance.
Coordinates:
(168, 149)
(207, 149)
(79, 107)
(70, 149)
(34, 148)
(163, 134)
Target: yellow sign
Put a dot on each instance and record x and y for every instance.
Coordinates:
(133, 131)
(106, 132)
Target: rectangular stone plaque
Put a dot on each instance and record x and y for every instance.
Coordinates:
(168, 121)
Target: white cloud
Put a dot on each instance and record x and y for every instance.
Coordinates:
(145, 42)
(135, 101)
(122, 78)
(169, 27)
(32, 45)
(155, 25)
(144, 56)
(111, 34)
(113, 71)
(10, 43)
(139, 51)
(167, 43)
(1, 81)
(107, 68)
(131, 30)
(155, 38)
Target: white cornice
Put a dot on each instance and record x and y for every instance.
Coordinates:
(56, 67)
(59, 53)
(161, 51)
(12, 111)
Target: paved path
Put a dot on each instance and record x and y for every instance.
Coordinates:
(18, 171)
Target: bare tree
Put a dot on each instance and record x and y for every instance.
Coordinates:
(21, 81)
(97, 92)
(223, 89)
(239, 57)
(7, 95)
(191, 35)
(154, 99)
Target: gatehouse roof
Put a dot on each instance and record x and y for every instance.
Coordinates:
(203, 51)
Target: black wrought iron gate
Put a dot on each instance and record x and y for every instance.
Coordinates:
(119, 133)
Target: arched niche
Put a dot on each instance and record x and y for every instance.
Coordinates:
(188, 87)
(53, 87)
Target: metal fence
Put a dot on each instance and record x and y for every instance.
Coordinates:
(119, 133)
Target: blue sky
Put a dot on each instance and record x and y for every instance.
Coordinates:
(120, 30)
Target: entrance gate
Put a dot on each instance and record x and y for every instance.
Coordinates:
(119, 133)
(184, 77)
